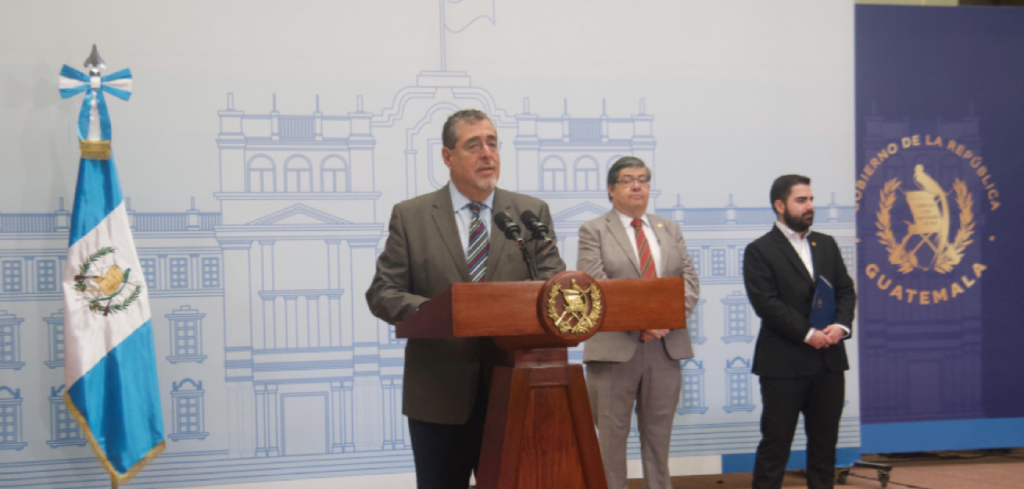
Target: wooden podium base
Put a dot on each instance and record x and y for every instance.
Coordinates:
(539, 432)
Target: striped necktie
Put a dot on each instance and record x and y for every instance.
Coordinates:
(647, 269)
(476, 256)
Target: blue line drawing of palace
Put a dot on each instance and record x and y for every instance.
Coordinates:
(266, 347)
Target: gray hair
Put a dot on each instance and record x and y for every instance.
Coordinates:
(625, 162)
(450, 133)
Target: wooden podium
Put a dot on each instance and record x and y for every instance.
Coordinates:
(539, 432)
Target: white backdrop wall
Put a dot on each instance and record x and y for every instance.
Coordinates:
(264, 147)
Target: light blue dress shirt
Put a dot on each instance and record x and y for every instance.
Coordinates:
(464, 216)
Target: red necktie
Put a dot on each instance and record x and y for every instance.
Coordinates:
(647, 269)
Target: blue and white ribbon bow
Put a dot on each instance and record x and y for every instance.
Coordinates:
(73, 82)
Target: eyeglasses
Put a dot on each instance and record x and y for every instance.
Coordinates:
(629, 181)
(475, 147)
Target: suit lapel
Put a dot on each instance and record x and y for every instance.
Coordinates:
(668, 253)
(618, 232)
(497, 244)
(444, 218)
(816, 255)
(790, 252)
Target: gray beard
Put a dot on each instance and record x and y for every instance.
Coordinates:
(487, 184)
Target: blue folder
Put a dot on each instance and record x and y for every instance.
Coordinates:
(823, 309)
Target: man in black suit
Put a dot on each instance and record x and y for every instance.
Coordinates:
(800, 367)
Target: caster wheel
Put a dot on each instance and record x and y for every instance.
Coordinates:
(841, 475)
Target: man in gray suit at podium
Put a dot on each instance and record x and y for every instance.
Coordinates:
(435, 240)
(641, 368)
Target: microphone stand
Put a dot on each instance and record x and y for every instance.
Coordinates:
(512, 232)
(531, 263)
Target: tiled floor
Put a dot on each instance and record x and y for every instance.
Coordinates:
(989, 469)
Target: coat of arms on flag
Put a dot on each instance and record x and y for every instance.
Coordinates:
(112, 389)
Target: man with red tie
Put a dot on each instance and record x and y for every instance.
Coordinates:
(635, 368)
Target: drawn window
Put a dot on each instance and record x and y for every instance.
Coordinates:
(46, 275)
(10, 330)
(10, 419)
(737, 373)
(261, 175)
(552, 174)
(736, 322)
(149, 270)
(7, 344)
(737, 318)
(586, 175)
(718, 268)
(334, 175)
(211, 272)
(691, 391)
(695, 257)
(58, 342)
(186, 335)
(179, 273)
(739, 389)
(63, 428)
(12, 276)
(55, 326)
(8, 423)
(185, 338)
(694, 324)
(188, 414)
(691, 397)
(187, 398)
(298, 175)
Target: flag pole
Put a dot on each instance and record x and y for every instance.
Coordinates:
(109, 365)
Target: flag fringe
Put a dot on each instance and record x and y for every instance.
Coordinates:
(116, 479)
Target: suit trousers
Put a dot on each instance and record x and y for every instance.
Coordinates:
(820, 398)
(446, 455)
(651, 380)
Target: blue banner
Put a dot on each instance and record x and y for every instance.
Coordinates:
(939, 122)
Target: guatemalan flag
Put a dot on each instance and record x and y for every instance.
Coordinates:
(110, 366)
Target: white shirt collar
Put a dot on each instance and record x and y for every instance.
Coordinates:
(459, 201)
(627, 221)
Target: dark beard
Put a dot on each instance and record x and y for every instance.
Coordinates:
(798, 223)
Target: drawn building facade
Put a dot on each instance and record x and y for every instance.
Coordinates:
(266, 347)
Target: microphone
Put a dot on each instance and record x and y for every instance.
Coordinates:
(539, 229)
(509, 227)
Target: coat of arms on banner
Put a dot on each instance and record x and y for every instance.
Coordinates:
(929, 232)
(930, 211)
(104, 284)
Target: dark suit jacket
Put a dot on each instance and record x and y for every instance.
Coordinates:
(423, 256)
(781, 291)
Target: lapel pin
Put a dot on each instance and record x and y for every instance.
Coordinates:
(813, 243)
(660, 225)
